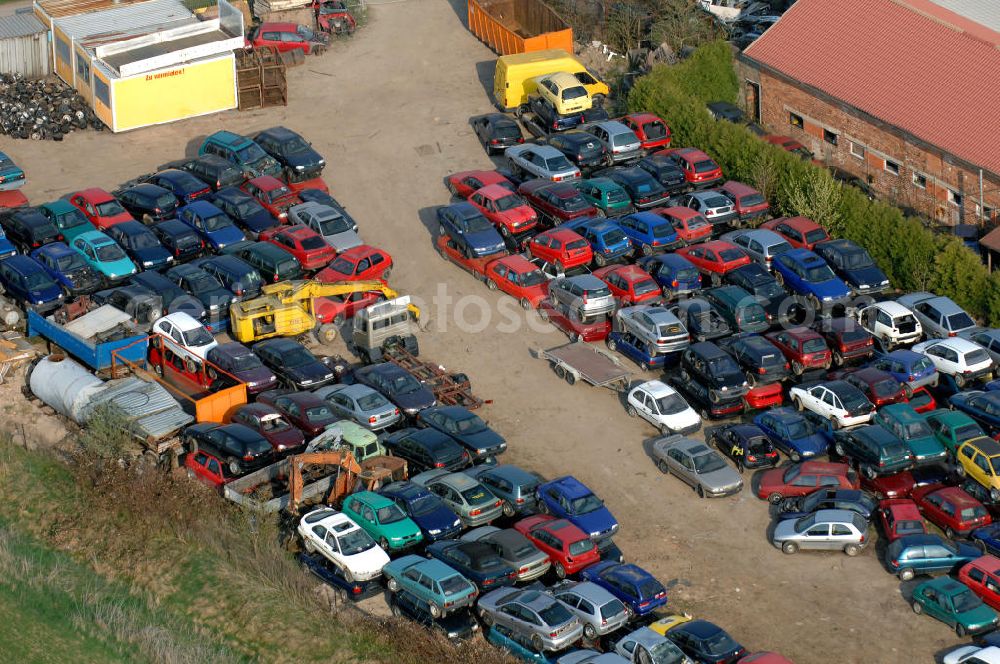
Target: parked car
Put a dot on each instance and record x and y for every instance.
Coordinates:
(629, 284)
(717, 369)
(474, 504)
(747, 445)
(911, 369)
(805, 274)
(715, 259)
(464, 183)
(561, 247)
(580, 147)
(655, 325)
(570, 548)
(361, 404)
(718, 208)
(68, 218)
(952, 428)
(675, 274)
(467, 428)
(311, 414)
(516, 487)
(849, 500)
(239, 449)
(519, 278)
(293, 364)
(665, 171)
(204, 287)
(435, 519)
(691, 226)
(426, 449)
(272, 424)
(185, 335)
(585, 294)
(762, 362)
(621, 144)
(837, 400)
(661, 405)
(141, 245)
(517, 552)
(67, 268)
(476, 561)
(912, 428)
(239, 361)
(645, 645)
(397, 385)
(147, 202)
(105, 256)
(740, 309)
(28, 229)
(99, 207)
(979, 459)
(798, 435)
(600, 612)
(568, 498)
(180, 239)
(605, 195)
(241, 151)
(184, 186)
(801, 232)
(703, 469)
(756, 280)
(381, 518)
(337, 231)
(540, 161)
(532, 616)
(508, 211)
(361, 263)
(652, 131)
(939, 316)
(873, 450)
(700, 170)
(955, 605)
(760, 244)
(555, 202)
(703, 321)
(951, 509)
(212, 225)
(900, 517)
(295, 154)
(285, 37)
(980, 575)
(28, 282)
(457, 626)
(804, 349)
(431, 581)
(854, 265)
(496, 131)
(343, 543)
(469, 229)
(750, 204)
(273, 195)
(635, 587)
(829, 530)
(252, 217)
(891, 323)
(878, 386)
(801, 478)
(983, 407)
(211, 169)
(311, 250)
(706, 642)
(645, 190)
(963, 360)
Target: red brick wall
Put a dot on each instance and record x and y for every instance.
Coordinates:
(779, 99)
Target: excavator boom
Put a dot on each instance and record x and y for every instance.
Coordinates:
(297, 291)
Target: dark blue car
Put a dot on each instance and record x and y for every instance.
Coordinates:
(68, 268)
(466, 428)
(650, 233)
(244, 209)
(435, 519)
(635, 587)
(987, 538)
(636, 350)
(926, 554)
(183, 185)
(704, 641)
(804, 273)
(796, 434)
(854, 265)
(7, 247)
(333, 576)
(607, 239)
(469, 229)
(907, 367)
(141, 245)
(983, 407)
(215, 228)
(477, 561)
(676, 275)
(568, 498)
(26, 280)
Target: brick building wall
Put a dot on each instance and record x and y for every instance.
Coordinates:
(899, 167)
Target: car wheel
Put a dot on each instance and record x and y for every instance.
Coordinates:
(852, 549)
(838, 448)
(234, 467)
(492, 285)
(774, 498)
(701, 491)
(795, 456)
(612, 345)
(797, 368)
(960, 380)
(543, 314)
(789, 548)
(384, 543)
(326, 334)
(907, 391)
(665, 430)
(310, 547)
(441, 231)
(508, 509)
(393, 585)
(560, 371)
(834, 423)
(838, 359)
(752, 380)
(981, 545)
(571, 377)
(960, 630)
(632, 412)
(704, 414)
(715, 279)
(949, 533)
(536, 642)
(434, 609)
(906, 574)
(348, 576)
(559, 570)
(589, 632)
(644, 365)
(559, 266)
(798, 404)
(740, 467)
(664, 468)
(574, 337)
(870, 472)
(960, 470)
(394, 608)
(486, 618)
(600, 260)
(918, 608)
(647, 250)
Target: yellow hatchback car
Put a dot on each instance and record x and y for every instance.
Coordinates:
(565, 92)
(666, 623)
(979, 458)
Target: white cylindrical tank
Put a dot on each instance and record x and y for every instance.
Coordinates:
(64, 384)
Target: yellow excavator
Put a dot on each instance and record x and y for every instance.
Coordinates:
(290, 308)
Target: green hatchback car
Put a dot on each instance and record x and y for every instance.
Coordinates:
(67, 218)
(606, 195)
(381, 518)
(952, 428)
(955, 605)
(911, 427)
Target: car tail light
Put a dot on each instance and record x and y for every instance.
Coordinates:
(523, 570)
(447, 604)
(372, 419)
(553, 634)
(356, 590)
(498, 503)
(674, 283)
(465, 455)
(519, 501)
(951, 334)
(644, 605)
(488, 582)
(439, 465)
(276, 279)
(248, 457)
(751, 457)
(520, 140)
(604, 621)
(35, 244)
(475, 512)
(862, 539)
(494, 141)
(396, 412)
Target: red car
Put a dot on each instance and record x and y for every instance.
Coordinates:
(312, 183)
(691, 225)
(510, 213)
(802, 478)
(273, 194)
(700, 170)
(789, 144)
(287, 37)
(900, 517)
(803, 348)
(749, 203)
(556, 202)
(465, 183)
(519, 278)
(100, 208)
(308, 246)
(567, 320)
(268, 422)
(569, 548)
(982, 576)
(630, 284)
(653, 132)
(335, 309)
(951, 509)
(847, 339)
(12, 198)
(922, 401)
(361, 263)
(561, 247)
(880, 387)
(799, 231)
(206, 468)
(764, 396)
(304, 410)
(897, 485)
(715, 258)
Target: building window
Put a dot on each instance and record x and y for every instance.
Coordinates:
(796, 120)
(62, 51)
(83, 69)
(919, 180)
(830, 137)
(955, 198)
(857, 150)
(988, 213)
(102, 92)
(892, 167)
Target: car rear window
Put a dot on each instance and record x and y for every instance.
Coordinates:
(977, 356)
(959, 321)
(612, 609)
(974, 512)
(654, 130)
(731, 255)
(507, 131)
(477, 495)
(624, 138)
(909, 527)
(663, 230)
(454, 584)
(617, 196)
(815, 235)
(885, 388)
(751, 199)
(559, 163)
(705, 166)
(717, 201)
(645, 286)
(850, 336)
(574, 92)
(753, 313)
(575, 203)
(580, 547)
(602, 291)
(813, 346)
(687, 274)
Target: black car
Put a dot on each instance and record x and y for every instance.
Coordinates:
(477, 561)
(211, 169)
(644, 190)
(854, 265)
(180, 239)
(203, 286)
(581, 148)
(333, 576)
(144, 307)
(235, 274)
(181, 184)
(873, 449)
(763, 362)
(724, 110)
(665, 170)
(241, 362)
(545, 119)
(27, 228)
(175, 299)
(426, 449)
(853, 500)
(465, 427)
(141, 245)
(496, 131)
(273, 263)
(293, 364)
(702, 320)
(293, 152)
(703, 641)
(756, 280)
(746, 444)
(241, 449)
(709, 364)
(398, 386)
(148, 202)
(244, 210)
(740, 309)
(456, 626)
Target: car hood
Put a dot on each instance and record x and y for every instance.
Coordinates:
(441, 519)
(308, 158)
(343, 241)
(81, 278)
(518, 215)
(45, 294)
(484, 439)
(225, 236)
(817, 443)
(418, 399)
(723, 478)
(486, 239)
(832, 288)
(260, 221)
(288, 438)
(117, 268)
(785, 529)
(153, 255)
(682, 420)
(868, 276)
(400, 529)
(596, 521)
(312, 371)
(368, 562)
(258, 376)
(188, 305)
(6, 247)
(924, 445)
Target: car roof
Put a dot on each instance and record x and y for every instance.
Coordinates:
(372, 499)
(494, 191)
(458, 481)
(708, 350)
(202, 207)
(96, 238)
(182, 320)
(656, 388)
(680, 211)
(561, 78)
(643, 117)
(95, 195)
(280, 133)
(614, 127)
(701, 629)
(514, 474)
(984, 444)
(228, 137)
(517, 263)
(690, 153)
(267, 182)
(564, 234)
(834, 516)
(23, 264)
(824, 467)
(546, 151)
(405, 489)
(738, 188)
(570, 487)
(955, 343)
(57, 249)
(798, 223)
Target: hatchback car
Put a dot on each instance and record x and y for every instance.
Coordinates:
(801, 232)
(939, 316)
(468, 429)
(675, 274)
(620, 143)
(837, 401)
(101, 208)
(435, 519)
(69, 219)
(67, 268)
(426, 449)
(104, 255)
(185, 335)
(381, 518)
(635, 587)
(398, 385)
(703, 469)
(691, 226)
(715, 206)
(531, 616)
(141, 245)
(801, 478)
(540, 161)
(760, 244)
(568, 498)
(26, 280)
(963, 360)
(606, 195)
(432, 581)
(477, 561)
(270, 423)
(242, 152)
(569, 547)
(750, 204)
(649, 233)
(661, 405)
(294, 365)
(911, 427)
(240, 449)
(147, 202)
(516, 550)
(515, 486)
(645, 190)
(955, 605)
(361, 404)
(665, 171)
(746, 444)
(469, 229)
(580, 147)
(646, 645)
(951, 509)
(854, 265)
(700, 170)
(474, 504)
(874, 450)
(706, 642)
(829, 530)
(600, 612)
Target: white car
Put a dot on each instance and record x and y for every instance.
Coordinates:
(660, 405)
(891, 323)
(185, 336)
(835, 400)
(342, 542)
(959, 358)
(973, 655)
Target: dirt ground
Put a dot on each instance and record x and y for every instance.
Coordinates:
(389, 110)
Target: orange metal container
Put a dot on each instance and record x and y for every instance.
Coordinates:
(519, 26)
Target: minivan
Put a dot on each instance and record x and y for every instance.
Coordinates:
(235, 274)
(740, 309)
(514, 76)
(241, 151)
(273, 263)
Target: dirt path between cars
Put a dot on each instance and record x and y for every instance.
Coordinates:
(389, 110)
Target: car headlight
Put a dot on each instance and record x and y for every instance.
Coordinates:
(411, 411)
(300, 168)
(595, 534)
(483, 451)
(885, 282)
(310, 381)
(458, 522)
(435, 531)
(395, 539)
(147, 263)
(863, 286)
(322, 161)
(827, 298)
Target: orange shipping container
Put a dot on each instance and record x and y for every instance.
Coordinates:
(519, 26)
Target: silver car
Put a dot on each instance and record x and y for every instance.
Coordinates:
(600, 612)
(828, 530)
(760, 244)
(716, 206)
(336, 230)
(362, 404)
(532, 616)
(654, 325)
(939, 316)
(514, 549)
(586, 293)
(591, 657)
(620, 142)
(988, 338)
(540, 161)
(697, 465)
(644, 646)
(474, 504)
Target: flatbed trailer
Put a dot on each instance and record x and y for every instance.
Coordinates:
(582, 361)
(450, 389)
(93, 338)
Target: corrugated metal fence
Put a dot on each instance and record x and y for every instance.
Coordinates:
(24, 47)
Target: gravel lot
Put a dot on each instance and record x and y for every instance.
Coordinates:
(389, 110)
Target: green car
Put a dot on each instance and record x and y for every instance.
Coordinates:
(381, 518)
(954, 604)
(911, 427)
(431, 581)
(952, 428)
(606, 195)
(104, 255)
(67, 218)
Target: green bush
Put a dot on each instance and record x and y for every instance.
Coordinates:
(912, 256)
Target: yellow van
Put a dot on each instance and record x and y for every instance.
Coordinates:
(564, 91)
(515, 74)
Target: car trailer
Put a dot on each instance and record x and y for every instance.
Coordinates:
(581, 361)
(450, 389)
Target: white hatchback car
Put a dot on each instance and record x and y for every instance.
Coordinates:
(342, 542)
(963, 360)
(185, 336)
(836, 400)
(660, 405)
(891, 323)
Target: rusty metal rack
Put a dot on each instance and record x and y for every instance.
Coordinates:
(450, 389)
(260, 78)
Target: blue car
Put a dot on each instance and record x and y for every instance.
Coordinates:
(211, 223)
(7, 248)
(244, 209)
(469, 230)
(637, 350)
(568, 498)
(804, 273)
(478, 562)
(650, 232)
(796, 434)
(183, 185)
(333, 576)
(68, 268)
(983, 407)
(987, 539)
(11, 175)
(141, 245)
(908, 367)
(676, 275)
(502, 637)
(635, 587)
(606, 238)
(27, 281)
(435, 520)
(924, 554)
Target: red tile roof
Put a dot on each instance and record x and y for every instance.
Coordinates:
(930, 73)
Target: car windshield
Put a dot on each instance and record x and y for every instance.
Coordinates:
(663, 230)
(313, 243)
(585, 504)
(806, 522)
(816, 235)
(389, 514)
(70, 262)
(371, 401)
(355, 542)
(477, 224)
(580, 547)
(731, 255)
(671, 404)
(921, 365)
(576, 244)
(477, 495)
(508, 202)
(342, 266)
(708, 463)
(250, 154)
(751, 200)
(644, 286)
(798, 429)
(665, 652)
(216, 222)
(424, 505)
(533, 278)
(885, 388)
(557, 164)
(198, 336)
(109, 253)
(976, 511)
(318, 413)
(854, 260)
(75, 219)
(959, 321)
(917, 429)
(333, 226)
(705, 166)
(274, 425)
(200, 283)
(247, 207)
(109, 209)
(470, 424)
(144, 241)
(617, 195)
(721, 365)
(967, 431)
(818, 273)
(404, 383)
(295, 144)
(276, 194)
(966, 601)
(297, 357)
(813, 346)
(574, 92)
(454, 584)
(554, 614)
(38, 281)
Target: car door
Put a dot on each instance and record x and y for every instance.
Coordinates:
(816, 537)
